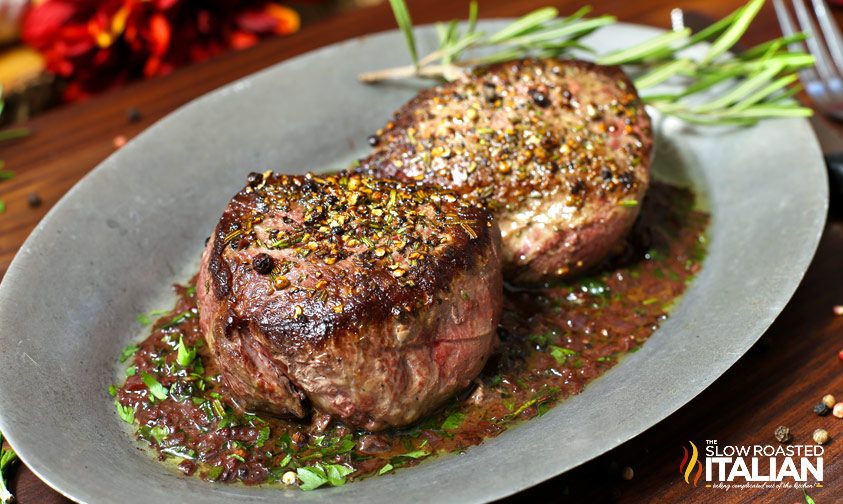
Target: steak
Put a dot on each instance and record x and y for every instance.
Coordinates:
(370, 300)
(559, 150)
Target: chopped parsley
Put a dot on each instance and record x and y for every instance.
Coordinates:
(179, 319)
(453, 421)
(561, 354)
(337, 473)
(543, 339)
(315, 476)
(285, 441)
(330, 446)
(185, 355)
(7, 458)
(127, 413)
(286, 460)
(158, 433)
(263, 436)
(146, 319)
(214, 473)
(158, 391)
(128, 352)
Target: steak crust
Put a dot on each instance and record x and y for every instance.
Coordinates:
(370, 300)
(559, 150)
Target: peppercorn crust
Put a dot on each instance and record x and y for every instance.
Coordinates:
(371, 300)
(559, 150)
(369, 249)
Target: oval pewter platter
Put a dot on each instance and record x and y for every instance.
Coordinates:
(111, 248)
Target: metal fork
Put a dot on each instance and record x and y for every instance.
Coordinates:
(823, 82)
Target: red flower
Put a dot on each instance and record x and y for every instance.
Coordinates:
(99, 44)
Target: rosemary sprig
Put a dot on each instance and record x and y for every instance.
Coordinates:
(756, 84)
(7, 458)
(402, 16)
(541, 33)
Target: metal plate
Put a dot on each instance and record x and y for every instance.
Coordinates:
(114, 244)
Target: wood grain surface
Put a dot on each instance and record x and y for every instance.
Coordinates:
(776, 383)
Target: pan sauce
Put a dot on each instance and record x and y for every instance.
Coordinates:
(554, 341)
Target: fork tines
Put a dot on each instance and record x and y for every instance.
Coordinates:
(824, 82)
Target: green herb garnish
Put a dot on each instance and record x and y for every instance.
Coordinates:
(542, 339)
(145, 319)
(286, 460)
(185, 355)
(7, 458)
(180, 318)
(127, 413)
(285, 441)
(754, 85)
(540, 32)
(214, 473)
(561, 354)
(337, 473)
(158, 432)
(128, 352)
(385, 469)
(405, 22)
(453, 421)
(263, 436)
(522, 408)
(315, 476)
(541, 399)
(158, 391)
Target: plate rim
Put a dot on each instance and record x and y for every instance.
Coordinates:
(12, 274)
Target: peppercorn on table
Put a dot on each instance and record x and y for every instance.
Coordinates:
(777, 384)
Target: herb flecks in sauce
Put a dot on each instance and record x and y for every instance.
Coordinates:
(554, 341)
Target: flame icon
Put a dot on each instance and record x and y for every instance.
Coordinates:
(686, 467)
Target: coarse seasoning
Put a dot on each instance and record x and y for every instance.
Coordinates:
(555, 340)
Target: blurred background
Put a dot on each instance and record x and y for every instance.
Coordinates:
(59, 51)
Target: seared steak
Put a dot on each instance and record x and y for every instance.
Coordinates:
(558, 149)
(371, 300)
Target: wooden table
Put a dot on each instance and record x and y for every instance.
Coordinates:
(776, 383)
